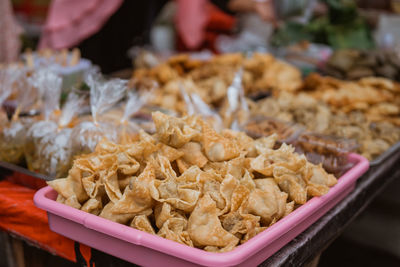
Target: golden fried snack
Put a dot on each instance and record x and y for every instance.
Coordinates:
(374, 125)
(211, 79)
(192, 185)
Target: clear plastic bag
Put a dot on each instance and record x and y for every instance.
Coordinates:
(128, 129)
(54, 149)
(196, 106)
(48, 85)
(235, 111)
(103, 96)
(13, 131)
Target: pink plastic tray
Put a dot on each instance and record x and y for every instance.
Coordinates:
(150, 250)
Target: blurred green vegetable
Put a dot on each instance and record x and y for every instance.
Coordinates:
(342, 27)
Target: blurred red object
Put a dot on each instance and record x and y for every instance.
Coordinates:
(20, 217)
(218, 22)
(32, 10)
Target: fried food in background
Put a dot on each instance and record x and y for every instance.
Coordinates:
(262, 73)
(377, 98)
(355, 64)
(307, 108)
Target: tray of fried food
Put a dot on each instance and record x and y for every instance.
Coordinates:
(377, 98)
(373, 138)
(183, 165)
(210, 79)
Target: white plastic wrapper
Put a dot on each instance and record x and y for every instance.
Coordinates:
(34, 136)
(54, 150)
(48, 85)
(12, 135)
(8, 76)
(196, 106)
(236, 111)
(103, 96)
(127, 128)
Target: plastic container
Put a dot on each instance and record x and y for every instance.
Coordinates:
(150, 250)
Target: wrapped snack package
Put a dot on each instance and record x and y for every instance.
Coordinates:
(235, 110)
(13, 131)
(49, 86)
(54, 148)
(196, 105)
(190, 184)
(128, 129)
(103, 96)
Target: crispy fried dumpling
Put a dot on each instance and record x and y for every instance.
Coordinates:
(123, 218)
(266, 201)
(193, 155)
(127, 164)
(204, 226)
(142, 223)
(142, 149)
(201, 188)
(71, 187)
(320, 181)
(173, 131)
(170, 153)
(264, 145)
(109, 178)
(175, 229)
(245, 142)
(291, 183)
(284, 156)
(136, 197)
(217, 147)
(240, 224)
(181, 195)
(93, 206)
(163, 212)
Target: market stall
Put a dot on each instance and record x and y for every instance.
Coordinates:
(231, 159)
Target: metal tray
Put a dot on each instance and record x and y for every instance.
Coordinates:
(22, 176)
(392, 150)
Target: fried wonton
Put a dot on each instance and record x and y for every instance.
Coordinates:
(193, 185)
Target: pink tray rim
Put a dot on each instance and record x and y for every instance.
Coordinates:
(234, 257)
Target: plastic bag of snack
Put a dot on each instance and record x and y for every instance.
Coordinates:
(235, 111)
(48, 85)
(54, 148)
(13, 130)
(196, 106)
(103, 96)
(331, 151)
(128, 129)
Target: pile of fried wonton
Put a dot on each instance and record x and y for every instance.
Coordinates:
(210, 79)
(192, 185)
(374, 136)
